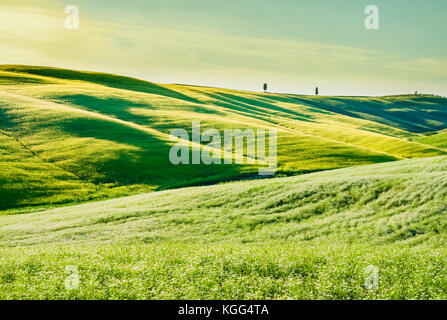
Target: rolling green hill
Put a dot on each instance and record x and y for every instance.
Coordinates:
(437, 139)
(68, 136)
(400, 202)
(305, 237)
(349, 193)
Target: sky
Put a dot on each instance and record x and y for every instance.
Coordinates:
(292, 45)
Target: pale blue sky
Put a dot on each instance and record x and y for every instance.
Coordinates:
(293, 45)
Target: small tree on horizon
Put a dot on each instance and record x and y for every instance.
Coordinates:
(316, 91)
(265, 87)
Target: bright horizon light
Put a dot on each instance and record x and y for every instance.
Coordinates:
(292, 46)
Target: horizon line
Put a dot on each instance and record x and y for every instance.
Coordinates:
(219, 87)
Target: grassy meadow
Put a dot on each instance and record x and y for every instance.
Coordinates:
(68, 136)
(86, 182)
(305, 237)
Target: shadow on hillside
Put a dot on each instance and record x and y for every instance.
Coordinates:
(120, 108)
(21, 80)
(416, 114)
(257, 108)
(134, 159)
(147, 163)
(110, 80)
(293, 100)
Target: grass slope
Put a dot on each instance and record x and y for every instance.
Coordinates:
(92, 136)
(437, 139)
(309, 236)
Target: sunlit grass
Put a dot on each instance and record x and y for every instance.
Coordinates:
(178, 271)
(306, 237)
(110, 133)
(68, 137)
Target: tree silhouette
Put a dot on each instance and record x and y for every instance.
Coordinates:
(265, 87)
(316, 91)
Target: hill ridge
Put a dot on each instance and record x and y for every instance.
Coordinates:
(113, 132)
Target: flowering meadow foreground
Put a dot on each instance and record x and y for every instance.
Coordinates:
(315, 236)
(176, 271)
(92, 207)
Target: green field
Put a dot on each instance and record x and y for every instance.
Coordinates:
(69, 137)
(361, 181)
(304, 237)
